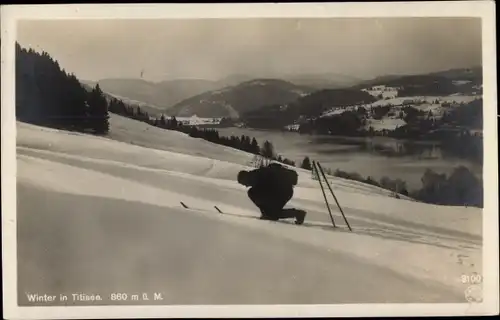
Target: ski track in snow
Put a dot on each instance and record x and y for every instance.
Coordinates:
(419, 249)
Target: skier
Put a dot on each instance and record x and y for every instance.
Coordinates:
(271, 189)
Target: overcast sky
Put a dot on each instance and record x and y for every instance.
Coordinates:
(215, 48)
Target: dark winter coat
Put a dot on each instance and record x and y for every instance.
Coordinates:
(272, 177)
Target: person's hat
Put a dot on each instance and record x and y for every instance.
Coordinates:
(243, 177)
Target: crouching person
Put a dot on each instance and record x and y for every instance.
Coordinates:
(271, 188)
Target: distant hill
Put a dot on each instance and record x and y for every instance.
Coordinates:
(319, 101)
(161, 95)
(308, 106)
(165, 94)
(234, 100)
(312, 80)
(149, 108)
(474, 74)
(239, 93)
(445, 79)
(234, 79)
(135, 89)
(323, 81)
(384, 103)
(380, 80)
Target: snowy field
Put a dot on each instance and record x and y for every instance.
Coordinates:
(195, 120)
(385, 123)
(386, 92)
(99, 215)
(419, 102)
(436, 104)
(399, 101)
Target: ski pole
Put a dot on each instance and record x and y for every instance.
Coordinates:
(333, 194)
(315, 168)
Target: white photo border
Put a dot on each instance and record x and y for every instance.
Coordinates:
(481, 9)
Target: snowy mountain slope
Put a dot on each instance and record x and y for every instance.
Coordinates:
(163, 94)
(322, 80)
(398, 101)
(233, 101)
(383, 91)
(109, 213)
(128, 101)
(437, 105)
(152, 109)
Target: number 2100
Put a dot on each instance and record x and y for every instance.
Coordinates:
(473, 278)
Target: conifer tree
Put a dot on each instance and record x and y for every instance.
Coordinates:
(306, 164)
(98, 111)
(268, 150)
(255, 149)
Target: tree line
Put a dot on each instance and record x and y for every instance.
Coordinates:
(453, 130)
(460, 188)
(243, 142)
(47, 95)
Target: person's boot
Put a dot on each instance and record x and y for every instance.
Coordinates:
(300, 217)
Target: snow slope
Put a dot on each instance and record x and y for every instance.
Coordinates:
(100, 215)
(438, 105)
(385, 123)
(386, 92)
(196, 121)
(141, 104)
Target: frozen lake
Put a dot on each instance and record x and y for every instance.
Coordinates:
(376, 157)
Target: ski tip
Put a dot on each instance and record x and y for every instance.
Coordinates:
(216, 208)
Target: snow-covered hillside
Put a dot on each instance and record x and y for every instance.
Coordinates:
(233, 101)
(137, 103)
(437, 105)
(101, 215)
(198, 121)
(383, 91)
(419, 100)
